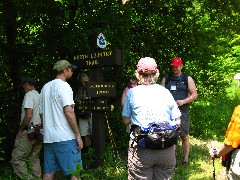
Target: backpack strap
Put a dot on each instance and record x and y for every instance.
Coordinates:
(185, 80)
(167, 79)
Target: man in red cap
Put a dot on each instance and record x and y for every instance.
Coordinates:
(183, 89)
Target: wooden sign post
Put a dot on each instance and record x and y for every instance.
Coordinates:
(96, 59)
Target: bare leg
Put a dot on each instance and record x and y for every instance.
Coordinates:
(48, 176)
(186, 147)
(73, 177)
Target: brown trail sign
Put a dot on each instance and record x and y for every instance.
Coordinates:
(97, 89)
(99, 58)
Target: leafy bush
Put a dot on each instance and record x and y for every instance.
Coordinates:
(210, 116)
(1, 151)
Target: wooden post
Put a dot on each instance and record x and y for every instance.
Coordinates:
(98, 122)
(96, 60)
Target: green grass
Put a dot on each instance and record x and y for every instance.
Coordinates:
(114, 165)
(200, 163)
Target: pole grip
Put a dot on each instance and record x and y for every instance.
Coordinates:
(212, 145)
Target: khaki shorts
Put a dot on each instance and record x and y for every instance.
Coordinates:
(152, 164)
(85, 126)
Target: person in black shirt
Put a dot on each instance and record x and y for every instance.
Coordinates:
(183, 89)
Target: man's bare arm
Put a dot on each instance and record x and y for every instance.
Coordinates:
(163, 82)
(26, 120)
(72, 121)
(192, 93)
(71, 118)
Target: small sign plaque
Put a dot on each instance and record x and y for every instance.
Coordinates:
(101, 41)
(94, 105)
(99, 89)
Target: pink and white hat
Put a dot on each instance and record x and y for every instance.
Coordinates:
(147, 65)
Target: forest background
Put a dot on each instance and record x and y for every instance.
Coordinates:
(204, 33)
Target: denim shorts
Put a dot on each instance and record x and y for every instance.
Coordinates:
(61, 156)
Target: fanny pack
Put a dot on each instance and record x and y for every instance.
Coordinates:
(35, 132)
(156, 136)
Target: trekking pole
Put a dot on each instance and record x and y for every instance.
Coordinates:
(213, 160)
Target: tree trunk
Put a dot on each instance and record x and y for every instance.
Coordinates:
(11, 50)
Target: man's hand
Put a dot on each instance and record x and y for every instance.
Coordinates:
(213, 152)
(180, 102)
(80, 142)
(19, 134)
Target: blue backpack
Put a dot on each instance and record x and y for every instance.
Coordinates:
(156, 136)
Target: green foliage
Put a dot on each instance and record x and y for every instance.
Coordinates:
(88, 158)
(210, 116)
(7, 173)
(78, 173)
(113, 166)
(1, 150)
(115, 128)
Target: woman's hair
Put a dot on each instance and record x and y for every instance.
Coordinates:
(147, 79)
(132, 80)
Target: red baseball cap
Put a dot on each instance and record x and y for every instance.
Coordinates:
(176, 62)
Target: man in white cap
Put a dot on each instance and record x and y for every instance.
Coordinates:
(145, 104)
(62, 139)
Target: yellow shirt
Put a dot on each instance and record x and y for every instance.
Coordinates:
(233, 132)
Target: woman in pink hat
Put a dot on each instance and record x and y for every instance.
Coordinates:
(149, 103)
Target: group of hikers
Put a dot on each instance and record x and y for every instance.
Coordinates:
(155, 115)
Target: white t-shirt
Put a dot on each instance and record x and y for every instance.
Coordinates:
(31, 101)
(55, 95)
